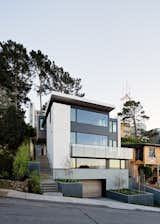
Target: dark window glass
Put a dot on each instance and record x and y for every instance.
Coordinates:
(41, 128)
(89, 117)
(91, 163)
(139, 154)
(89, 139)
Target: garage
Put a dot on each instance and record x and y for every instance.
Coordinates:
(92, 188)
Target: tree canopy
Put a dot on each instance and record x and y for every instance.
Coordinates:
(15, 74)
(18, 69)
(133, 113)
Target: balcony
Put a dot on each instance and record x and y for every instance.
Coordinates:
(92, 151)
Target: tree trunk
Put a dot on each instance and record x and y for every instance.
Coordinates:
(135, 127)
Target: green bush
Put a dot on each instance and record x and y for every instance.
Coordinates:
(34, 183)
(4, 174)
(20, 164)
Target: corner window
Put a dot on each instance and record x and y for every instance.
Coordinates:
(113, 126)
(152, 152)
(73, 114)
(73, 138)
(112, 143)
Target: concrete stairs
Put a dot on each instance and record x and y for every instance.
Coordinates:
(47, 182)
(49, 186)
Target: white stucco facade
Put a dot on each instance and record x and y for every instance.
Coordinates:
(58, 135)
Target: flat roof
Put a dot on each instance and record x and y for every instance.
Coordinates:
(78, 101)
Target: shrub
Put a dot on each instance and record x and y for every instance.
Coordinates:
(146, 170)
(20, 164)
(4, 174)
(34, 183)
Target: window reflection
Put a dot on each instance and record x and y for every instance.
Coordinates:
(89, 139)
(89, 117)
(91, 163)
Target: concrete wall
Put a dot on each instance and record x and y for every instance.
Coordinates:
(58, 135)
(49, 132)
(93, 151)
(110, 175)
(61, 135)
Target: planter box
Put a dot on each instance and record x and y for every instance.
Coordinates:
(156, 194)
(71, 189)
(141, 199)
(32, 165)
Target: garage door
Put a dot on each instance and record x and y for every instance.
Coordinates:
(92, 188)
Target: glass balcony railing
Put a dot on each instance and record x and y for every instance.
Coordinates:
(92, 151)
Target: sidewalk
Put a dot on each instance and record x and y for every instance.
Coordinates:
(78, 201)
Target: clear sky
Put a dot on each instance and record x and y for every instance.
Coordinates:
(106, 43)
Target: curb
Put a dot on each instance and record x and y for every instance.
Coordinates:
(75, 201)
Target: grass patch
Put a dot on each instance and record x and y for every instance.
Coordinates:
(68, 180)
(129, 192)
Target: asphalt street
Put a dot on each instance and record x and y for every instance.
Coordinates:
(14, 211)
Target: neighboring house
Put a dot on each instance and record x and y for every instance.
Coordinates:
(83, 143)
(145, 154)
(127, 130)
(154, 136)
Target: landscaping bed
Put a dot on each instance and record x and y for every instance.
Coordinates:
(14, 185)
(156, 192)
(131, 196)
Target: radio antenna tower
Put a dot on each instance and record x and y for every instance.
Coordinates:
(126, 93)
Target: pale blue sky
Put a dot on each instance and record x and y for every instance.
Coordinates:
(106, 43)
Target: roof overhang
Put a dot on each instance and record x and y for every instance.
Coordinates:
(78, 101)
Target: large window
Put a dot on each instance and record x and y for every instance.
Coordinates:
(89, 117)
(91, 163)
(89, 139)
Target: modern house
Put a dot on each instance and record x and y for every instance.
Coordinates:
(83, 143)
(145, 154)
